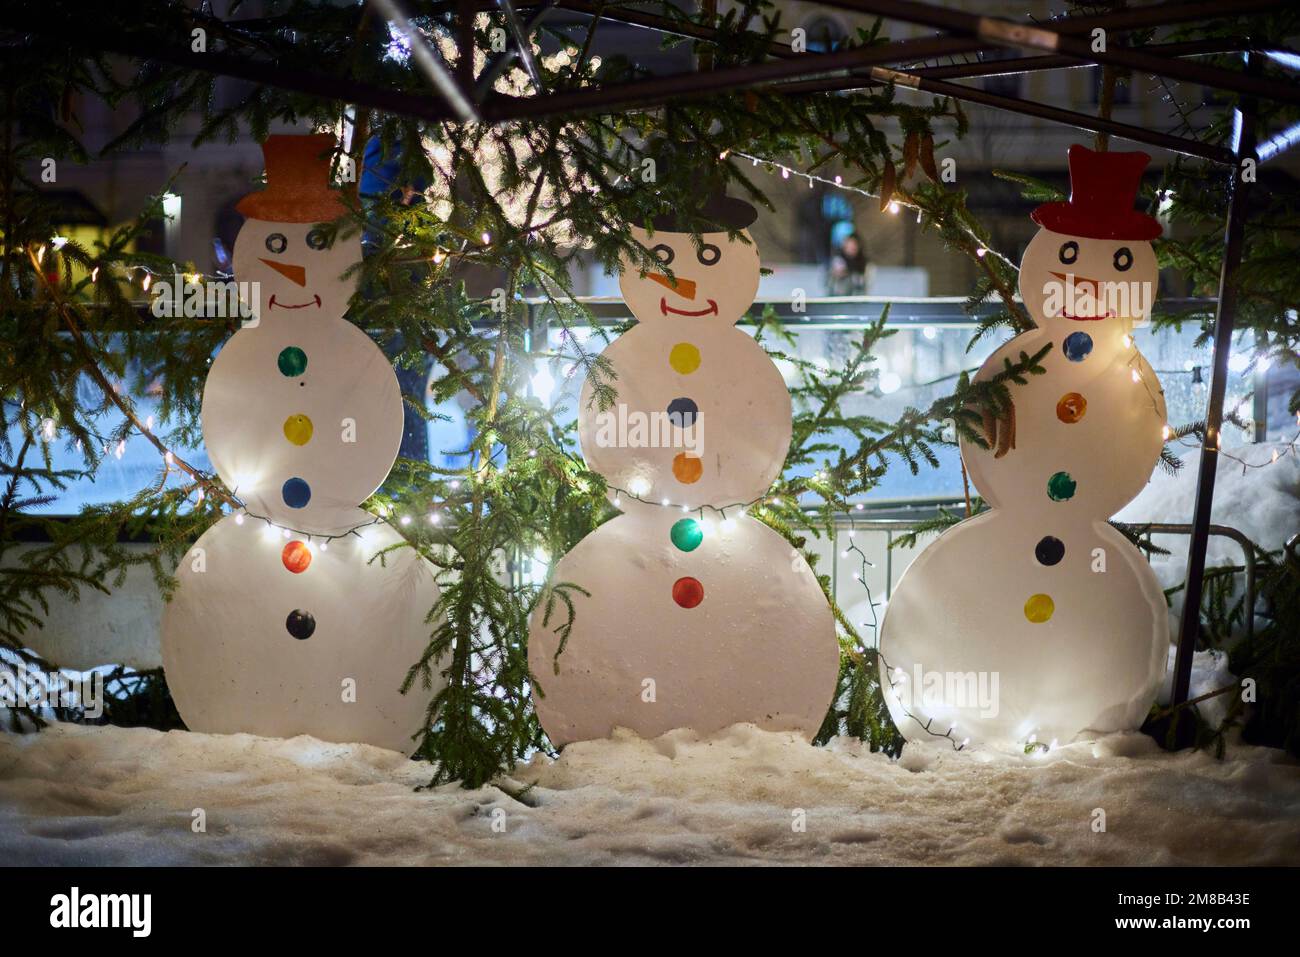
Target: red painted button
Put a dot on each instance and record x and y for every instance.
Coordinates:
(296, 557)
(688, 592)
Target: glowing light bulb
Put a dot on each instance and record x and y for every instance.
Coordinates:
(239, 518)
(618, 502)
(47, 427)
(324, 546)
(434, 518)
(406, 520)
(728, 525)
(982, 252)
(287, 534)
(894, 207)
(1136, 377)
(665, 502)
(543, 384)
(639, 486)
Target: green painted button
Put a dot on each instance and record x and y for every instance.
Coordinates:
(1060, 487)
(687, 534)
(292, 361)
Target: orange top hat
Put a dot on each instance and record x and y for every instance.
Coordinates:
(297, 182)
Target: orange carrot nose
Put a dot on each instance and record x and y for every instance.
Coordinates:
(1083, 284)
(295, 274)
(683, 287)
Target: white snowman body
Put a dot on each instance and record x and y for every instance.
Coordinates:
(697, 615)
(1037, 620)
(760, 645)
(233, 665)
(302, 419)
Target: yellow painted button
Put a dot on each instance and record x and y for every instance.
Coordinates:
(684, 358)
(1039, 608)
(297, 429)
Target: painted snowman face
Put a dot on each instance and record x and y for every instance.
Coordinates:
(299, 268)
(718, 281)
(1074, 281)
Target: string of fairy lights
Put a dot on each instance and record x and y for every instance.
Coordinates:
(48, 426)
(894, 207)
(895, 676)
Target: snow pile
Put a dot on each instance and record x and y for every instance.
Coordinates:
(1263, 503)
(98, 795)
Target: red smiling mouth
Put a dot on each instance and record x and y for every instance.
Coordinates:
(1066, 315)
(664, 308)
(315, 301)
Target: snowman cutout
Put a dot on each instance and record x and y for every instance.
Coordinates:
(1037, 621)
(697, 615)
(282, 624)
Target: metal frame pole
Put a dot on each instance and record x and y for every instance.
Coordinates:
(1042, 111)
(1234, 235)
(1060, 38)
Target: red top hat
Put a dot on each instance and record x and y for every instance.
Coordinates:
(297, 182)
(1103, 187)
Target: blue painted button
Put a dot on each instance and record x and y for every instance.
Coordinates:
(1077, 345)
(296, 493)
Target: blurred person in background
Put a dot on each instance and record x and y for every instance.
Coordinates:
(847, 273)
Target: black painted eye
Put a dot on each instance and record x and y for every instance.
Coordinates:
(664, 254)
(318, 239)
(1123, 258)
(1069, 252)
(708, 254)
(276, 243)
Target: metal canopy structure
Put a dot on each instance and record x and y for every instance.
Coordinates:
(1059, 43)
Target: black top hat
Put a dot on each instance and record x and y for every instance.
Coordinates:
(714, 211)
(719, 213)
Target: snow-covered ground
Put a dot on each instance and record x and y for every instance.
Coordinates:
(99, 795)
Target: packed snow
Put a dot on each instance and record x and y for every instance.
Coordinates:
(107, 795)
